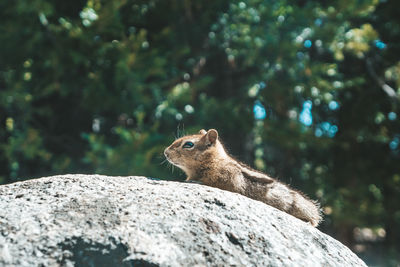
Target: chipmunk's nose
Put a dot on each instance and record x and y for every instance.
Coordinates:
(166, 152)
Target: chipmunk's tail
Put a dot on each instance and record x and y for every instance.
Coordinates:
(305, 209)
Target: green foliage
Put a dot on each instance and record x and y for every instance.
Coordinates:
(102, 86)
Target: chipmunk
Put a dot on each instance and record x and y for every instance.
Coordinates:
(203, 158)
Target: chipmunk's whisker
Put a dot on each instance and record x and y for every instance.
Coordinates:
(175, 136)
(178, 133)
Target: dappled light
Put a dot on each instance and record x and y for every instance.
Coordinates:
(306, 115)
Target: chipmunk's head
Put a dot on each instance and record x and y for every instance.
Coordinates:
(192, 151)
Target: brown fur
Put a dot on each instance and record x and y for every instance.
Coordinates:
(208, 162)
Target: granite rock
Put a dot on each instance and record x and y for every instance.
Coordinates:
(94, 220)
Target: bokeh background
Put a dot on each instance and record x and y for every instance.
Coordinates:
(307, 91)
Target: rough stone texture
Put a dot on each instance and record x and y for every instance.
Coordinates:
(93, 220)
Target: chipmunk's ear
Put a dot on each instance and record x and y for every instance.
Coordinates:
(202, 131)
(211, 136)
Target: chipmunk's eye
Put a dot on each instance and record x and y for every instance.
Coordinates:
(188, 145)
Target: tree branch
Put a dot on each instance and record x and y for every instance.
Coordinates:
(384, 86)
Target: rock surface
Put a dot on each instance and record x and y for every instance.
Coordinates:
(94, 220)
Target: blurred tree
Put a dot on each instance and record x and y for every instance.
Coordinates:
(304, 90)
